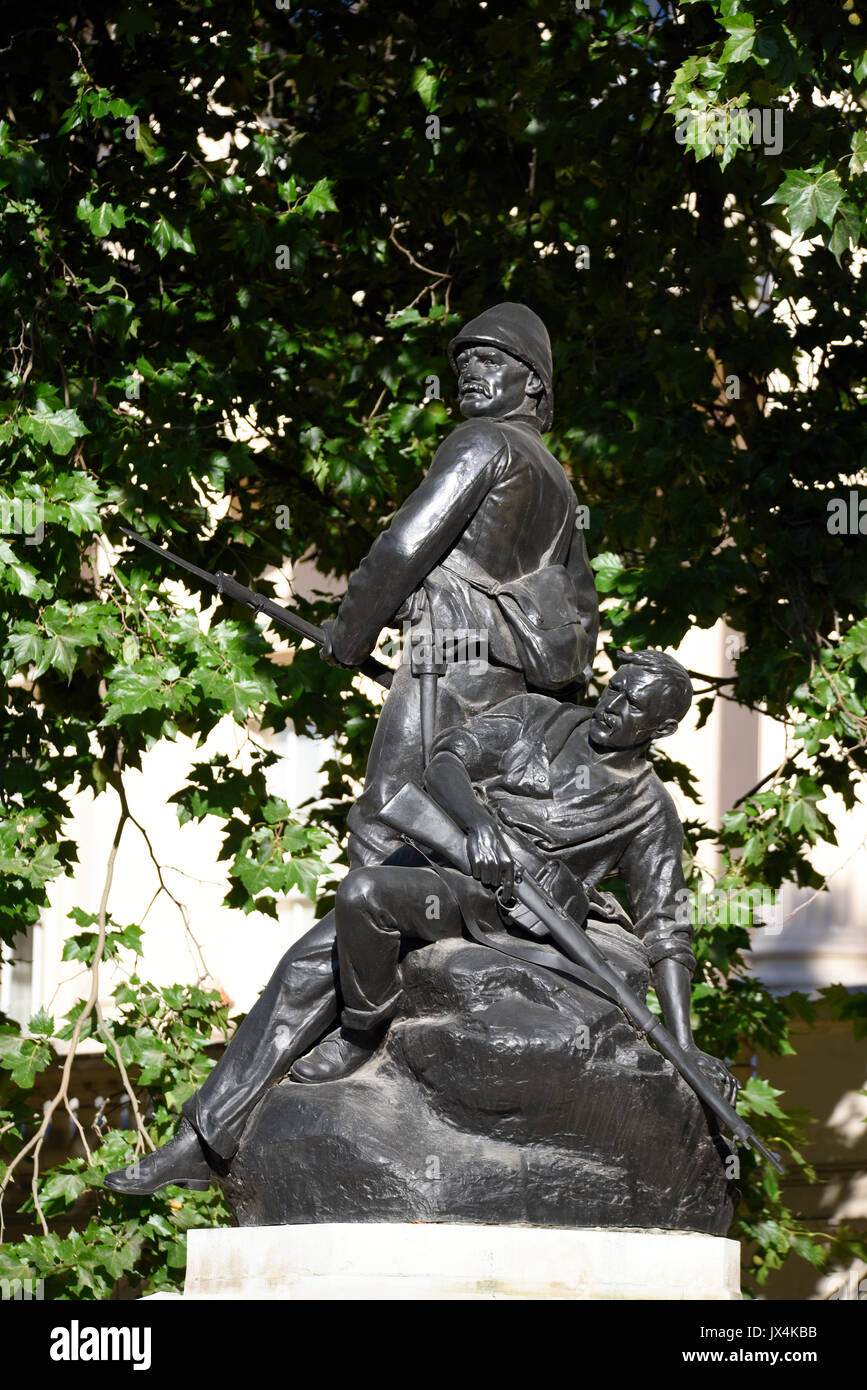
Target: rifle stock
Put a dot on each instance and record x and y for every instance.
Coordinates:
(419, 818)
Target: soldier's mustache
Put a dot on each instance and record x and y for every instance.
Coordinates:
(469, 384)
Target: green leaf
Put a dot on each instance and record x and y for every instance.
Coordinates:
(131, 937)
(609, 568)
(82, 918)
(72, 117)
(758, 1097)
(425, 84)
(24, 1058)
(57, 428)
(103, 218)
(739, 46)
(41, 1022)
(808, 196)
(167, 238)
(81, 947)
(62, 1189)
(848, 230)
(83, 511)
(176, 1255)
(132, 690)
(793, 816)
(26, 647)
(60, 651)
(858, 158)
(320, 198)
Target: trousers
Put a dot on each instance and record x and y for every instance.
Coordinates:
(300, 1003)
(345, 967)
(376, 910)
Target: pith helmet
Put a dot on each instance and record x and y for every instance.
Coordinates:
(515, 329)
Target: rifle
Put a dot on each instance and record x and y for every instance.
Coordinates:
(225, 584)
(419, 818)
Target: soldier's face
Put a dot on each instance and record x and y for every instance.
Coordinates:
(490, 382)
(631, 710)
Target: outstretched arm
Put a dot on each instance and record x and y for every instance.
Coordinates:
(672, 982)
(423, 531)
(652, 868)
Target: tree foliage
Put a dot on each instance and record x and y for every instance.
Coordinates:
(237, 239)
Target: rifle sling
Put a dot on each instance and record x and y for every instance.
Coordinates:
(522, 950)
(539, 955)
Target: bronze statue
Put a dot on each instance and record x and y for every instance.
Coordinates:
(489, 541)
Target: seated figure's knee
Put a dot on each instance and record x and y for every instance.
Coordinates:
(357, 892)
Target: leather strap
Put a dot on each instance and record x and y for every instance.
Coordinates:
(539, 955)
(526, 951)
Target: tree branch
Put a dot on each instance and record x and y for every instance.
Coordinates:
(34, 1145)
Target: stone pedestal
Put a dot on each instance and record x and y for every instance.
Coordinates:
(397, 1261)
(503, 1094)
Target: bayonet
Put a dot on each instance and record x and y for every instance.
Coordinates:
(225, 584)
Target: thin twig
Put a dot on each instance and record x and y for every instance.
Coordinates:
(825, 882)
(713, 680)
(124, 1076)
(437, 274)
(164, 888)
(382, 395)
(34, 1145)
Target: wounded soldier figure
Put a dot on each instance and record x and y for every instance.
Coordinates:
(573, 788)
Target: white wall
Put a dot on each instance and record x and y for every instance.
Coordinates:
(235, 954)
(824, 935)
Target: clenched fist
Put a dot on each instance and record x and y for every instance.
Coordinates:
(490, 860)
(718, 1074)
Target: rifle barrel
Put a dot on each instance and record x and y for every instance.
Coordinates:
(225, 584)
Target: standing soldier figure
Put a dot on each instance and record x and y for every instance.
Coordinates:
(489, 542)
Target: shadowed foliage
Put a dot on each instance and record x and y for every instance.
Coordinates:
(236, 241)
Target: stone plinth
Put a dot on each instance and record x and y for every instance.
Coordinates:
(396, 1261)
(503, 1094)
